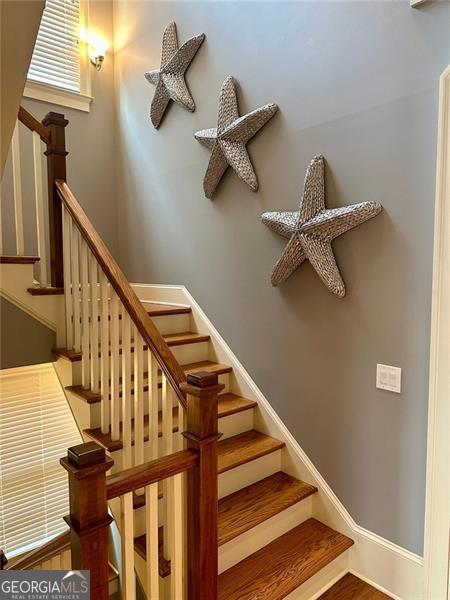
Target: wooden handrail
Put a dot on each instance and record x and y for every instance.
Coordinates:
(33, 124)
(55, 546)
(151, 472)
(142, 320)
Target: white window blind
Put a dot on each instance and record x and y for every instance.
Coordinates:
(56, 55)
(36, 428)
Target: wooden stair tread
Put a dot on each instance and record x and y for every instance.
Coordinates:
(276, 570)
(188, 337)
(351, 587)
(228, 404)
(172, 339)
(141, 549)
(250, 506)
(18, 260)
(104, 439)
(244, 447)
(159, 310)
(47, 291)
(205, 365)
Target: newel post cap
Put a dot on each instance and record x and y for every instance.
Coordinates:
(202, 384)
(54, 118)
(85, 460)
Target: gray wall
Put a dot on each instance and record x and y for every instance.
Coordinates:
(23, 340)
(358, 82)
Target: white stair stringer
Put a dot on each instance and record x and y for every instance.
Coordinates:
(15, 279)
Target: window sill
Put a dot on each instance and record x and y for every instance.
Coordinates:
(53, 95)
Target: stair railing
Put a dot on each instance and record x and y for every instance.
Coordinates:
(108, 323)
(48, 138)
(191, 522)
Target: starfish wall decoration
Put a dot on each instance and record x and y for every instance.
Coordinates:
(228, 141)
(312, 228)
(169, 78)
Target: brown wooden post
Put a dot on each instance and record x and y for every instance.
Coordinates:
(3, 560)
(56, 169)
(202, 490)
(89, 519)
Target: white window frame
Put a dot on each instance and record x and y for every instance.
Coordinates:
(55, 95)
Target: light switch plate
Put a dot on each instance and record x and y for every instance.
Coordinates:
(389, 378)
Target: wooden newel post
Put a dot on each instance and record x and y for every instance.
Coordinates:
(202, 490)
(89, 519)
(56, 169)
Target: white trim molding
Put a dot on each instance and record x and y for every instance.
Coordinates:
(58, 96)
(437, 513)
(416, 4)
(388, 567)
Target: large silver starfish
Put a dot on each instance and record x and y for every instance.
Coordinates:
(169, 78)
(228, 141)
(312, 228)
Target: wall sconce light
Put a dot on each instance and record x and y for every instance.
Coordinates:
(97, 57)
(97, 50)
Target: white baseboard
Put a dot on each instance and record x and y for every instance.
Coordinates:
(386, 566)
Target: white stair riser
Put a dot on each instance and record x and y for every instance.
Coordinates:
(173, 323)
(117, 456)
(95, 408)
(236, 423)
(248, 473)
(164, 583)
(319, 583)
(256, 538)
(191, 353)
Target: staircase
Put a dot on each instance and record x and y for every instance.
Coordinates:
(124, 364)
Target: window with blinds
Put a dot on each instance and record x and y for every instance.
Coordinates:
(56, 55)
(36, 428)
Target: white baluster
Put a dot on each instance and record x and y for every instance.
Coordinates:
(40, 212)
(75, 268)
(167, 416)
(151, 535)
(167, 431)
(127, 401)
(104, 354)
(138, 398)
(67, 262)
(115, 367)
(153, 425)
(128, 576)
(181, 424)
(85, 304)
(17, 182)
(1, 226)
(95, 325)
(176, 531)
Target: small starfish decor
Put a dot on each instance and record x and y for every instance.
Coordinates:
(312, 228)
(228, 141)
(169, 78)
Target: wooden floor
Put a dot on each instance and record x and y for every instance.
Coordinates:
(352, 588)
